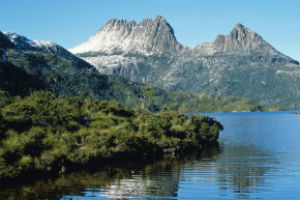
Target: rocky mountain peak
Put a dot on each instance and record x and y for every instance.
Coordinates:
(240, 28)
(117, 23)
(241, 35)
(122, 36)
(160, 20)
(243, 39)
(240, 40)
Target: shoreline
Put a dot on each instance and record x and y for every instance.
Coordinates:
(237, 112)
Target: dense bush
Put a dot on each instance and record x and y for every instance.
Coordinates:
(43, 133)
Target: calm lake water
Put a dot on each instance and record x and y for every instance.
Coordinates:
(258, 158)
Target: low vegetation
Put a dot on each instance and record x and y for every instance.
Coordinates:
(155, 99)
(43, 133)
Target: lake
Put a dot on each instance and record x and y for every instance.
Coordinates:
(257, 158)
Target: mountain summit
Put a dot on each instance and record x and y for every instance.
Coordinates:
(122, 36)
(241, 39)
(239, 64)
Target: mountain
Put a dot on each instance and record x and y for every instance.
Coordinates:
(119, 36)
(241, 40)
(240, 64)
(29, 65)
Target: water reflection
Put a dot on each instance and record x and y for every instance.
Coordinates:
(160, 179)
(242, 167)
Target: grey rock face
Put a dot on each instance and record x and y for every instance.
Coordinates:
(242, 40)
(121, 36)
(239, 64)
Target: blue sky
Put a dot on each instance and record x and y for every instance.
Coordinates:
(70, 22)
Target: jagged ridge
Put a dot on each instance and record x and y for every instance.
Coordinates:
(121, 36)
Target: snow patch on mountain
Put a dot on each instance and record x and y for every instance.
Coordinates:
(23, 42)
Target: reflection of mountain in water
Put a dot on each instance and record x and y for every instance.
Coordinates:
(160, 179)
(242, 168)
(238, 169)
(151, 182)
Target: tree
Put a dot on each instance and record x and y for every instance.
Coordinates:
(148, 92)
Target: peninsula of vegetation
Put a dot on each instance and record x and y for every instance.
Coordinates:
(45, 134)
